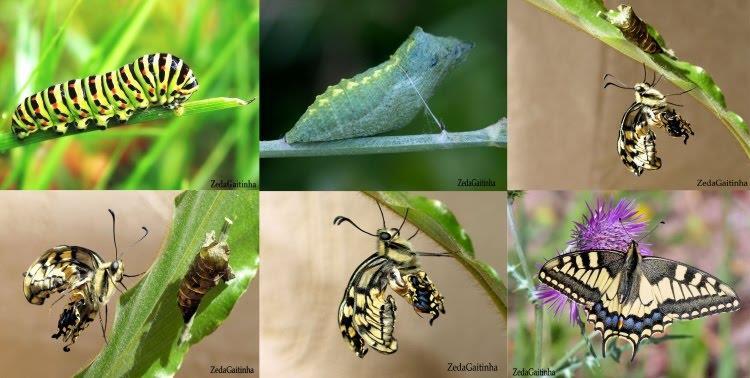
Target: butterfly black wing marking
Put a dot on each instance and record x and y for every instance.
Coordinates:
(59, 269)
(636, 141)
(659, 292)
(366, 315)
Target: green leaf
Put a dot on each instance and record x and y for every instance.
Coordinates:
(591, 17)
(437, 221)
(145, 336)
(8, 140)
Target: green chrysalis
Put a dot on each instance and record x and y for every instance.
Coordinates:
(385, 97)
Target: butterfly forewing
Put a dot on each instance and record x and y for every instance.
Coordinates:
(636, 142)
(57, 270)
(366, 316)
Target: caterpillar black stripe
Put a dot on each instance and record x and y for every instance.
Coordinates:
(151, 80)
(210, 265)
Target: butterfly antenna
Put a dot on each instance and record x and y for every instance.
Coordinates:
(339, 220)
(626, 229)
(415, 234)
(382, 216)
(617, 83)
(437, 122)
(644, 72)
(651, 231)
(114, 238)
(145, 233)
(403, 221)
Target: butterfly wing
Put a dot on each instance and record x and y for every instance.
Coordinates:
(417, 288)
(366, 315)
(59, 269)
(686, 292)
(583, 276)
(636, 143)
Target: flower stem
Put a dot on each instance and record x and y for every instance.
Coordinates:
(528, 285)
(572, 351)
(494, 135)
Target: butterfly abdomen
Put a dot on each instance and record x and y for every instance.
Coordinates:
(152, 80)
(383, 98)
(209, 266)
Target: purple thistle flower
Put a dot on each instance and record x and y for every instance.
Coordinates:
(607, 226)
(610, 226)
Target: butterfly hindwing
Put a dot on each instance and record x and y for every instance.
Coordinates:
(417, 288)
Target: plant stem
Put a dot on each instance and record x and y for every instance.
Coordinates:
(8, 140)
(494, 135)
(538, 334)
(572, 351)
(529, 284)
(519, 249)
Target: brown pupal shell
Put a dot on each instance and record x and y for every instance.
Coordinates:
(209, 266)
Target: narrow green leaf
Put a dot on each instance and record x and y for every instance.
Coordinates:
(590, 16)
(148, 324)
(437, 221)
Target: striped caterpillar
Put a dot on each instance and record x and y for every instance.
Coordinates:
(385, 97)
(151, 80)
(210, 265)
(636, 30)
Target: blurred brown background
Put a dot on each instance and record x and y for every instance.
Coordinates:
(307, 262)
(33, 221)
(563, 124)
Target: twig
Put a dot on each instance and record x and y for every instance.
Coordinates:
(494, 135)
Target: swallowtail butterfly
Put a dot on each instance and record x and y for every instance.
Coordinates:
(367, 316)
(385, 97)
(632, 297)
(81, 274)
(636, 142)
(152, 80)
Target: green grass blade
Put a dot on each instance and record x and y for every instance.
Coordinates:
(148, 324)
(589, 16)
(8, 140)
(219, 63)
(438, 222)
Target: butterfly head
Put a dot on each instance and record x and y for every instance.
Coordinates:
(391, 244)
(647, 95)
(116, 270)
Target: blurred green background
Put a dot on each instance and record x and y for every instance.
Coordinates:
(708, 230)
(219, 40)
(309, 45)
